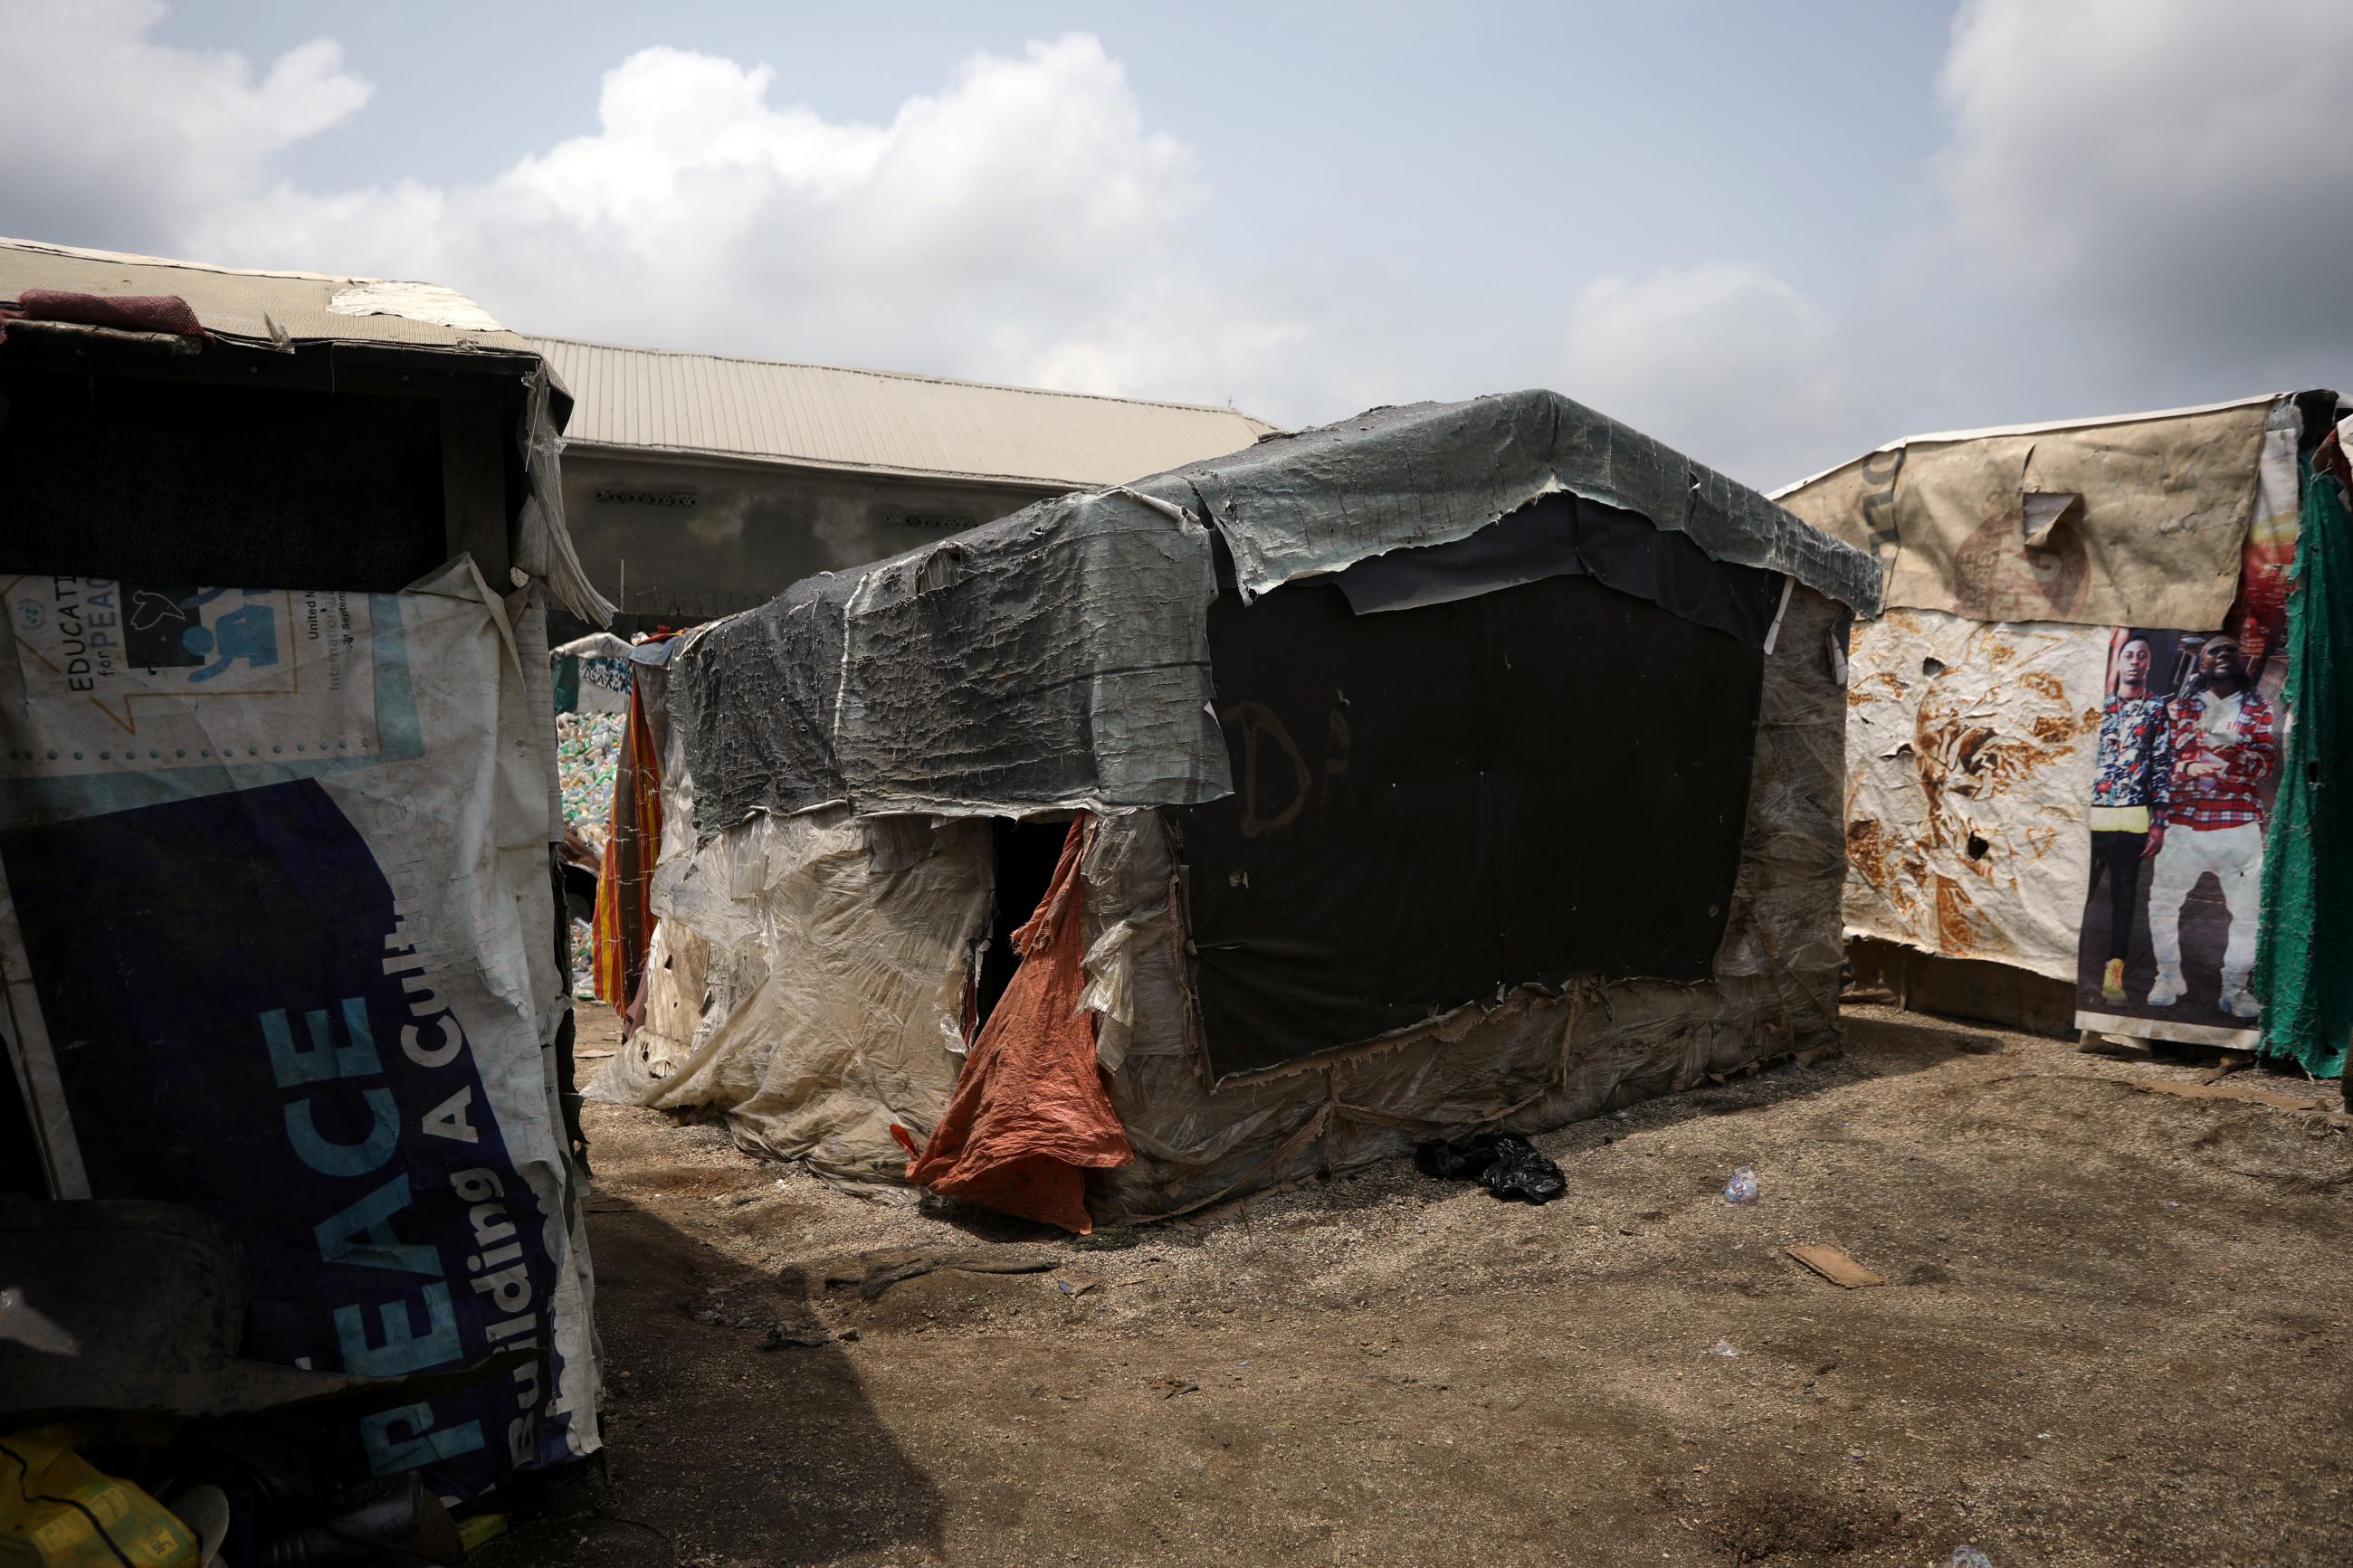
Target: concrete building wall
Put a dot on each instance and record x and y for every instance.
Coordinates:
(704, 537)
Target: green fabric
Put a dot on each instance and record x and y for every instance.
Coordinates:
(568, 684)
(2303, 963)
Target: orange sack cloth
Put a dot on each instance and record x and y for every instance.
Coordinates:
(1030, 1116)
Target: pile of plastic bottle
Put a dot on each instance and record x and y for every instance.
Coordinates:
(587, 754)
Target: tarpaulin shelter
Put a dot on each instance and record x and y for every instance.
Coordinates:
(2075, 733)
(1455, 765)
(280, 930)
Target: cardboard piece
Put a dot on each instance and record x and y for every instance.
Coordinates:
(1835, 1265)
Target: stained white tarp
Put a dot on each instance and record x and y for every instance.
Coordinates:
(279, 940)
(1970, 749)
(807, 980)
(2153, 540)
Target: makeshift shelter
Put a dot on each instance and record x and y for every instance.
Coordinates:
(2091, 703)
(1453, 766)
(279, 923)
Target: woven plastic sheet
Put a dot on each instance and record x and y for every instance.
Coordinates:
(1534, 1062)
(1294, 505)
(1057, 660)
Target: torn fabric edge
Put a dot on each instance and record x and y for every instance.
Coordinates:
(542, 543)
(1561, 535)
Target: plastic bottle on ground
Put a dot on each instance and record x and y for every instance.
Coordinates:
(1742, 1188)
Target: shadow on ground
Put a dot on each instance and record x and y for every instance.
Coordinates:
(718, 1450)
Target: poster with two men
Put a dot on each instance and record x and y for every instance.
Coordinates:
(2187, 764)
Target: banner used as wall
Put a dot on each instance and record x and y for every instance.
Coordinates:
(2188, 766)
(276, 930)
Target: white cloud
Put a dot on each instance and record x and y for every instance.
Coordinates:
(2145, 202)
(2171, 177)
(1023, 221)
(112, 134)
(1723, 360)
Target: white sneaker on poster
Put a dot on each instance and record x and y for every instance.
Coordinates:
(2240, 1003)
(2166, 992)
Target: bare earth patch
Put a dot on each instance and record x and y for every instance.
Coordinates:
(2115, 1331)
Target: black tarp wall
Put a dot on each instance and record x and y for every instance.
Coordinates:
(1433, 805)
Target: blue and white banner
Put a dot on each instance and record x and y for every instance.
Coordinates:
(275, 929)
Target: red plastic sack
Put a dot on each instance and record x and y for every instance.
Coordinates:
(1030, 1116)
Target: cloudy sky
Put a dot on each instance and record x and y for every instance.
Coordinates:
(1774, 234)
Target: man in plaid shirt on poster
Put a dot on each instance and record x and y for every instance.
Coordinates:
(2210, 819)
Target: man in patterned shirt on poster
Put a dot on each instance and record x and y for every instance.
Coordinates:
(2210, 819)
(2135, 754)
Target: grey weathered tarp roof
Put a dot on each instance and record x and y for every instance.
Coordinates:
(1058, 657)
(1428, 473)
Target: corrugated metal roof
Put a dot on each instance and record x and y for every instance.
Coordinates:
(878, 421)
(305, 306)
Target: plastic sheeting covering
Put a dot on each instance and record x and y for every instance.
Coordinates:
(1970, 752)
(1318, 501)
(591, 675)
(544, 548)
(1531, 1063)
(2305, 970)
(275, 927)
(1056, 659)
(807, 980)
(2156, 542)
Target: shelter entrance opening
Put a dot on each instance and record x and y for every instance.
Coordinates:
(1026, 854)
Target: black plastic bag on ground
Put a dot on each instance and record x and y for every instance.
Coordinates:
(1460, 1162)
(1509, 1167)
(1520, 1171)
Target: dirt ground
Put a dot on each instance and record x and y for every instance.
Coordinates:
(2115, 1331)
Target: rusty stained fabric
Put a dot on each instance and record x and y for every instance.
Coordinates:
(1030, 1118)
(2156, 542)
(1970, 752)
